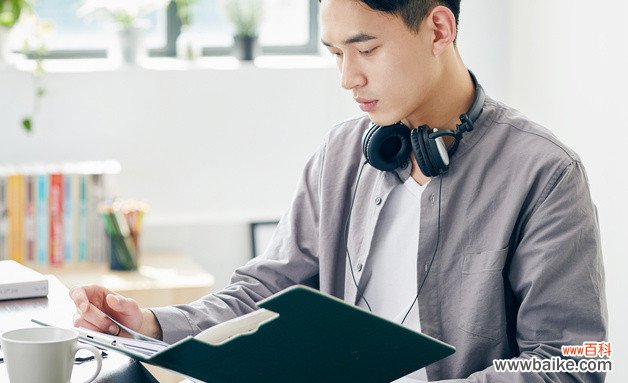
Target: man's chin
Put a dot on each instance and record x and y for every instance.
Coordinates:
(382, 120)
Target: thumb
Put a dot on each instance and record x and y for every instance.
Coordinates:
(125, 311)
(122, 305)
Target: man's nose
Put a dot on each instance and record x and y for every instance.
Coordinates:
(352, 75)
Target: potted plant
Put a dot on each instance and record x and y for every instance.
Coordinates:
(128, 16)
(246, 16)
(188, 46)
(10, 12)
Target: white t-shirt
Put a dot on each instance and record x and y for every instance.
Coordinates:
(391, 267)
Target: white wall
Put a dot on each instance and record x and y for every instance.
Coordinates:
(568, 63)
(483, 40)
(211, 148)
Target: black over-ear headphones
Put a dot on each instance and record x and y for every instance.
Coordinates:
(387, 147)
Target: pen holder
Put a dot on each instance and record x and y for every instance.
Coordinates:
(123, 225)
(123, 253)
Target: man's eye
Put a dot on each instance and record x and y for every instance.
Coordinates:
(369, 51)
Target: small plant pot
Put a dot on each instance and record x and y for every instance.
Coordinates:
(129, 48)
(245, 48)
(188, 45)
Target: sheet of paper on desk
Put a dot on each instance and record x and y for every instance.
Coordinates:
(138, 346)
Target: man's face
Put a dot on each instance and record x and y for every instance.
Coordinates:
(388, 68)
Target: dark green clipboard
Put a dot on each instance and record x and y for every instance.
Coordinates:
(315, 338)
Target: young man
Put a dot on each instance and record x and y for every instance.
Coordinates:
(497, 252)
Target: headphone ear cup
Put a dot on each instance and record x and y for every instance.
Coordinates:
(417, 137)
(366, 138)
(386, 147)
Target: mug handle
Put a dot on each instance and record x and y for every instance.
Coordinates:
(96, 353)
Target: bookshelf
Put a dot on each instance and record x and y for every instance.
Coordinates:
(49, 212)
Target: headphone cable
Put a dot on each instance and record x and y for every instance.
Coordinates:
(346, 237)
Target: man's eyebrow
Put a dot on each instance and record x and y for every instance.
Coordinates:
(353, 39)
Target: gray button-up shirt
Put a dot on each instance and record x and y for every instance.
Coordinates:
(518, 269)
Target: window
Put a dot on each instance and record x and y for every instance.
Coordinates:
(289, 26)
(296, 16)
(75, 37)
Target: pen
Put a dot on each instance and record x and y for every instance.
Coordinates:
(141, 348)
(82, 333)
(90, 335)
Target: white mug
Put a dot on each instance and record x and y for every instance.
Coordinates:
(43, 354)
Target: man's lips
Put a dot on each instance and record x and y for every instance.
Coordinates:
(365, 104)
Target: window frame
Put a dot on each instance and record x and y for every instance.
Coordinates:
(173, 30)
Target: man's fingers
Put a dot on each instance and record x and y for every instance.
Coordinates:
(115, 301)
(85, 294)
(98, 319)
(121, 304)
(79, 296)
(80, 322)
(91, 302)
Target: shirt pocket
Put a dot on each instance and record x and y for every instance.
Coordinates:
(481, 304)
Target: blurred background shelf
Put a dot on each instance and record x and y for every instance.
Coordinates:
(161, 279)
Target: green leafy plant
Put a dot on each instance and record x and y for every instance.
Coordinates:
(245, 15)
(35, 46)
(184, 10)
(10, 11)
(39, 89)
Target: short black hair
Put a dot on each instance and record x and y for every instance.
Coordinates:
(412, 12)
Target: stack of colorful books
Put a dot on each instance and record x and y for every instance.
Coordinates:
(49, 213)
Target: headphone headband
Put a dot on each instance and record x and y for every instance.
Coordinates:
(476, 108)
(466, 119)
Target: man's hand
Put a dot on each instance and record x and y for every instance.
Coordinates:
(93, 301)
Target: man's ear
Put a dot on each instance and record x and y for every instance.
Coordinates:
(442, 23)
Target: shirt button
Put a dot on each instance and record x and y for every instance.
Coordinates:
(404, 165)
(432, 199)
(359, 267)
(378, 200)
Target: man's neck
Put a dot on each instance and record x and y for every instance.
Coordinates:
(456, 93)
(453, 96)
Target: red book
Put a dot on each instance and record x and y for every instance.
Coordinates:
(29, 218)
(56, 220)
